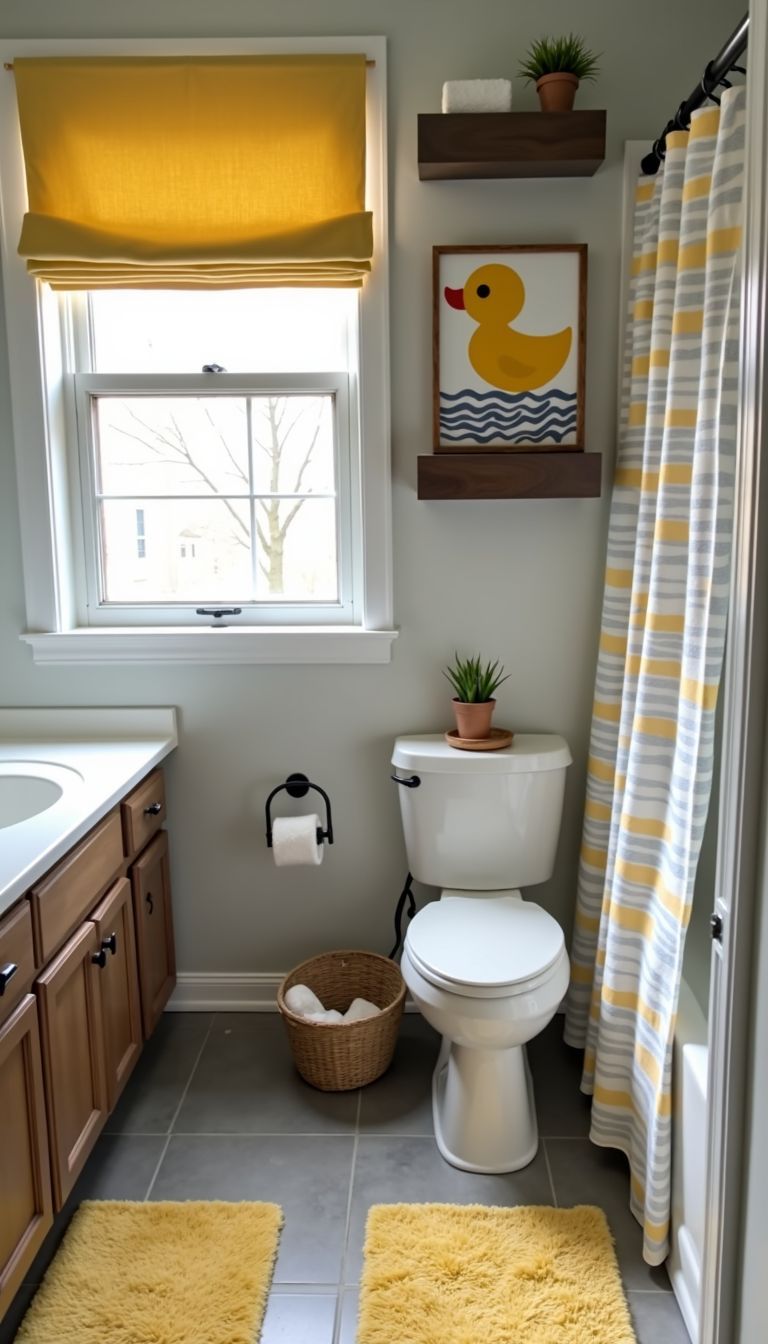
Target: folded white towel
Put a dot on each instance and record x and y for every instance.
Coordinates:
(477, 95)
(301, 1000)
(360, 1009)
(325, 1015)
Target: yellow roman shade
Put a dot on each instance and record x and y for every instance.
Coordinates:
(186, 172)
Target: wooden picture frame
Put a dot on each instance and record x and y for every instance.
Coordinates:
(506, 389)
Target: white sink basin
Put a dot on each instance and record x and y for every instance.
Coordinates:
(28, 788)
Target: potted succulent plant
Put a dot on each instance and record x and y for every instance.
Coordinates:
(473, 703)
(557, 65)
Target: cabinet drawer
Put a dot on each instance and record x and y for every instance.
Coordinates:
(16, 950)
(143, 812)
(62, 900)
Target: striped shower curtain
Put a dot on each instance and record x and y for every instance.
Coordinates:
(661, 647)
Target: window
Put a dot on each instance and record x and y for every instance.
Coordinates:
(249, 470)
(202, 448)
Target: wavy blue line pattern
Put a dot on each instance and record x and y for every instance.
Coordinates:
(507, 417)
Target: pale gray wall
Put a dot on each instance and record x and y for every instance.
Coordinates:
(521, 581)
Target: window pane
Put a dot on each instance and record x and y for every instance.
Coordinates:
(296, 550)
(196, 551)
(171, 445)
(293, 445)
(245, 330)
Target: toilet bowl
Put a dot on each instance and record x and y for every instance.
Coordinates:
(485, 967)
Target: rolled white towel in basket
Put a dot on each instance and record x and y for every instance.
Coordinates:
(477, 95)
(360, 1009)
(300, 999)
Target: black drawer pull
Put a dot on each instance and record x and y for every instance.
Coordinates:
(110, 944)
(412, 782)
(153, 809)
(150, 903)
(99, 958)
(7, 973)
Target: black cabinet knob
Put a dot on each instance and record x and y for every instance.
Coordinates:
(99, 958)
(150, 903)
(110, 944)
(7, 973)
(153, 809)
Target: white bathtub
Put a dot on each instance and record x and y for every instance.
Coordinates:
(689, 1157)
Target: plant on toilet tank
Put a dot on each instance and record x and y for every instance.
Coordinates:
(475, 686)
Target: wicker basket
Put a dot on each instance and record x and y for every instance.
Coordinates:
(338, 1056)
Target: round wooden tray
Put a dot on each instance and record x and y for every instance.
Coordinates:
(500, 737)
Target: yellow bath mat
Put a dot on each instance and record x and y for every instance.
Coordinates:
(453, 1274)
(165, 1273)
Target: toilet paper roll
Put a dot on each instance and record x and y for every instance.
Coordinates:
(294, 840)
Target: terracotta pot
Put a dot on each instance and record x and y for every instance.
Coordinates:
(473, 720)
(557, 91)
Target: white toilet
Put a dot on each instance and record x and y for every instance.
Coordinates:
(485, 967)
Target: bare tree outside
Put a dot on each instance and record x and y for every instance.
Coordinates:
(281, 421)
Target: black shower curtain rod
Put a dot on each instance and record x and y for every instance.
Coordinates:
(713, 76)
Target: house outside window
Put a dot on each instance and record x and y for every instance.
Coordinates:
(141, 538)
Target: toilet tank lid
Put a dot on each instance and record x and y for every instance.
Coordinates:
(529, 752)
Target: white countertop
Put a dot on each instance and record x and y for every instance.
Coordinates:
(94, 755)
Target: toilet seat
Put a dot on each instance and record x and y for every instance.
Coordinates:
(485, 948)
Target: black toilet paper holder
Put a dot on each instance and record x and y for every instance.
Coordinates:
(298, 786)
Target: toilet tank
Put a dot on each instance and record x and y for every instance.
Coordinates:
(482, 821)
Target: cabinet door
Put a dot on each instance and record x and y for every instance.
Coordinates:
(119, 985)
(154, 929)
(69, 999)
(25, 1181)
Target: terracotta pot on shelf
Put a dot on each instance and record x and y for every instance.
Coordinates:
(557, 91)
(473, 720)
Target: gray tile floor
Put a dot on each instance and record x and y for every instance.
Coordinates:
(216, 1111)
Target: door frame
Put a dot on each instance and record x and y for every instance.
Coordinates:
(740, 837)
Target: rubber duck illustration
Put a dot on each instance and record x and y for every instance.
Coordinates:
(493, 296)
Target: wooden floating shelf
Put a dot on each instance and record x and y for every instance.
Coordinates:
(540, 475)
(510, 144)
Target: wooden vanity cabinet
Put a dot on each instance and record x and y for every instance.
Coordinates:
(25, 1181)
(150, 879)
(101, 927)
(69, 997)
(119, 987)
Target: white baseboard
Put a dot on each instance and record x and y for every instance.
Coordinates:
(230, 992)
(225, 992)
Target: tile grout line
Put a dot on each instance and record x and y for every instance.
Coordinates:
(337, 1324)
(654, 1292)
(549, 1173)
(182, 1099)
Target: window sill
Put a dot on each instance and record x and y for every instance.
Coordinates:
(233, 644)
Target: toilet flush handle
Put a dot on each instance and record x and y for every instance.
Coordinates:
(412, 783)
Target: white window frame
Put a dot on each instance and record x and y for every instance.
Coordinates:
(341, 611)
(44, 433)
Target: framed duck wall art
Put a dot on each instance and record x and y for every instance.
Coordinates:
(509, 348)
